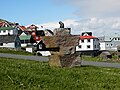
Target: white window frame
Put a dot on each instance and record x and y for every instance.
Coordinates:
(40, 46)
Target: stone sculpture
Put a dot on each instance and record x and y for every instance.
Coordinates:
(61, 24)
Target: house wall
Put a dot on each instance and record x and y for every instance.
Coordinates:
(23, 45)
(44, 53)
(11, 32)
(8, 45)
(112, 45)
(5, 32)
(84, 45)
(102, 46)
(110, 42)
(96, 44)
(17, 42)
(28, 49)
(15, 31)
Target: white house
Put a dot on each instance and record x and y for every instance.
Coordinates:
(11, 41)
(8, 31)
(88, 43)
(109, 42)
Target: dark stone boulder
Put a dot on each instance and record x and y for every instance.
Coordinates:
(62, 31)
(106, 55)
(66, 56)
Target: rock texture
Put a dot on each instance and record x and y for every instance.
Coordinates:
(70, 60)
(66, 57)
(106, 55)
(62, 31)
(118, 51)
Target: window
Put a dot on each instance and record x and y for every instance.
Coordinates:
(118, 38)
(82, 41)
(107, 45)
(98, 46)
(80, 46)
(88, 40)
(27, 41)
(95, 46)
(115, 38)
(111, 45)
(88, 46)
(22, 41)
(4, 31)
(40, 46)
(1, 44)
(40, 33)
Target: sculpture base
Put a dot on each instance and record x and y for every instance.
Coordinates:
(62, 31)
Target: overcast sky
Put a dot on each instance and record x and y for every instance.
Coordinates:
(99, 16)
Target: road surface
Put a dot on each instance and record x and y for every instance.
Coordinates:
(45, 59)
(101, 64)
(36, 58)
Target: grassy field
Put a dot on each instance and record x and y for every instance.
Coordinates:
(98, 59)
(33, 75)
(12, 51)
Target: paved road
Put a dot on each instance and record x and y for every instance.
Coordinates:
(36, 58)
(45, 59)
(101, 64)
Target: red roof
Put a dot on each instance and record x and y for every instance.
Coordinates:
(87, 37)
(1, 24)
(23, 28)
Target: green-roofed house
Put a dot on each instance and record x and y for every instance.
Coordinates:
(26, 40)
(8, 31)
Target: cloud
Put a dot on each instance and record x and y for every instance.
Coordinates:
(95, 8)
(53, 25)
(101, 17)
(98, 26)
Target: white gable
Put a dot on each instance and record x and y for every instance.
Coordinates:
(23, 34)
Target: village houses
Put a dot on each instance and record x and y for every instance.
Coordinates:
(88, 44)
(13, 35)
(109, 42)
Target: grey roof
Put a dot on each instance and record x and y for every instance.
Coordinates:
(7, 39)
(108, 38)
(101, 39)
(111, 37)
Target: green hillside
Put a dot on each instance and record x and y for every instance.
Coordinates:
(1, 20)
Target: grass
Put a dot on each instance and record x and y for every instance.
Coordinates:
(89, 58)
(18, 74)
(13, 51)
(114, 59)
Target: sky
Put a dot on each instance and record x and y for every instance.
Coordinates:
(102, 17)
(34, 11)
